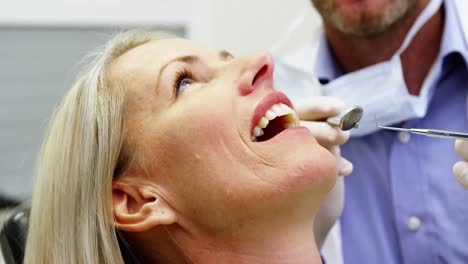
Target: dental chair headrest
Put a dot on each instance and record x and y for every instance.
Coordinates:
(13, 236)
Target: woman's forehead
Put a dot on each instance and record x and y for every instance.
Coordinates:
(151, 56)
(163, 50)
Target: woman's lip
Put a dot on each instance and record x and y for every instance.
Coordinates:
(267, 103)
(299, 133)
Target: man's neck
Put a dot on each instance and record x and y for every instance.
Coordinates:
(354, 53)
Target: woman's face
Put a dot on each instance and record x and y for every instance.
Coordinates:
(191, 115)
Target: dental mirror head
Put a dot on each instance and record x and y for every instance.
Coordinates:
(348, 119)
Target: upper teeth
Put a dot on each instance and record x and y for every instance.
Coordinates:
(274, 111)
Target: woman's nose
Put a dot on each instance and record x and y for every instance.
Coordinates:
(258, 73)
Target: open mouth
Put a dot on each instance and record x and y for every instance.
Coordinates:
(276, 119)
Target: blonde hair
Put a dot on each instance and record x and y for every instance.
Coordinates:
(71, 219)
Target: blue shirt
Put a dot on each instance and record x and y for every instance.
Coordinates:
(402, 203)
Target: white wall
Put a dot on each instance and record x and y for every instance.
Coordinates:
(240, 26)
(250, 25)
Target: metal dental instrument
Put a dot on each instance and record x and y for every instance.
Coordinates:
(347, 120)
(431, 132)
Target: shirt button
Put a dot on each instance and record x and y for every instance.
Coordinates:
(404, 137)
(414, 223)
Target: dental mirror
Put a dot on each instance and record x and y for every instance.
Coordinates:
(348, 119)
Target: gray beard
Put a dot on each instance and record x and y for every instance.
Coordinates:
(367, 25)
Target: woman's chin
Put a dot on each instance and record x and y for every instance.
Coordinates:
(303, 164)
(316, 172)
(313, 167)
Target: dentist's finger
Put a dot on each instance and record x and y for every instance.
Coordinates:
(344, 166)
(325, 134)
(460, 171)
(461, 147)
(318, 107)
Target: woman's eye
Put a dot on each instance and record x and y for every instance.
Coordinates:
(184, 79)
(184, 84)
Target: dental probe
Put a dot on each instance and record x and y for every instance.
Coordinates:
(431, 132)
(347, 120)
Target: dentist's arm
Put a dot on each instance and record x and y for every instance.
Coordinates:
(460, 169)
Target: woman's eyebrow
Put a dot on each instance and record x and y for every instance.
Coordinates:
(186, 58)
(223, 54)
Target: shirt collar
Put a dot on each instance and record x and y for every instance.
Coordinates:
(326, 68)
(453, 41)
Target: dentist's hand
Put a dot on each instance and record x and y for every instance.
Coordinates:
(312, 112)
(460, 169)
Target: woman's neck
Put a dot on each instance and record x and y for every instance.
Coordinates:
(283, 249)
(285, 235)
(292, 243)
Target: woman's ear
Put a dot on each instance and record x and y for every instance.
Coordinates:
(137, 208)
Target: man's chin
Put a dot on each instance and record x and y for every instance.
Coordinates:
(368, 21)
